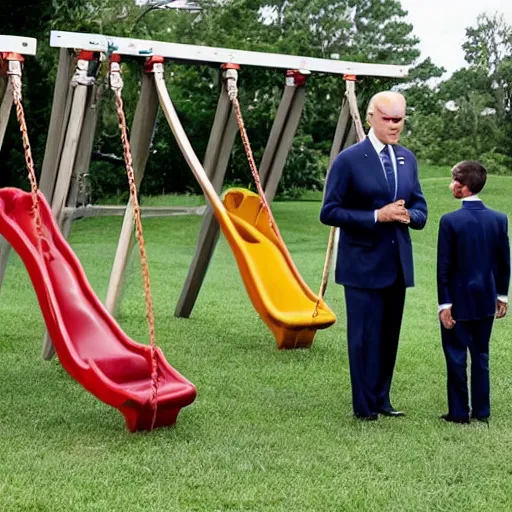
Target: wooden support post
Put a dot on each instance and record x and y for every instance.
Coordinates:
(5, 110)
(5, 107)
(275, 133)
(69, 150)
(351, 137)
(65, 171)
(71, 136)
(6, 102)
(140, 140)
(340, 135)
(5, 249)
(83, 156)
(218, 151)
(3, 86)
(284, 144)
(61, 107)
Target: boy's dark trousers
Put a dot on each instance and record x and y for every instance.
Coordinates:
(473, 335)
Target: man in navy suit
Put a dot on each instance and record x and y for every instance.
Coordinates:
(473, 275)
(373, 195)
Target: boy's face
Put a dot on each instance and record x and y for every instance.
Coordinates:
(459, 190)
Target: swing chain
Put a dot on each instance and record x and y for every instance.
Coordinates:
(231, 76)
(116, 84)
(14, 73)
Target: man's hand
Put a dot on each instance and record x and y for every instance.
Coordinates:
(445, 315)
(394, 212)
(501, 309)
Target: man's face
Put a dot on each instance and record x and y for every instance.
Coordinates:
(388, 123)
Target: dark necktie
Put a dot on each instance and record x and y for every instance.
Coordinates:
(388, 168)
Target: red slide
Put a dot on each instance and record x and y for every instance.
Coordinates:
(90, 344)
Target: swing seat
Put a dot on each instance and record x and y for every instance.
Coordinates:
(89, 343)
(279, 294)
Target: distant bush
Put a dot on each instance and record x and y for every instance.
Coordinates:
(497, 163)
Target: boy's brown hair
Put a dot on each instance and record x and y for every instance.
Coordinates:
(470, 173)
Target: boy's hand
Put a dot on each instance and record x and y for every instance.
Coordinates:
(446, 318)
(501, 309)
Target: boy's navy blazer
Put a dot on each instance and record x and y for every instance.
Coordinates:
(370, 254)
(473, 260)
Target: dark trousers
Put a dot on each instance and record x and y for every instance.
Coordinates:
(473, 336)
(374, 318)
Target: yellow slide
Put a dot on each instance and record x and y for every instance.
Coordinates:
(278, 292)
(275, 287)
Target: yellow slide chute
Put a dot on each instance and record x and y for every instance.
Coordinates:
(277, 291)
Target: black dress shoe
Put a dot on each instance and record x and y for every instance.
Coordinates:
(482, 419)
(372, 417)
(447, 417)
(392, 413)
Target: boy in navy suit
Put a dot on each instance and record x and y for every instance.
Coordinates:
(473, 275)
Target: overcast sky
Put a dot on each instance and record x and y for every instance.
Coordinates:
(441, 25)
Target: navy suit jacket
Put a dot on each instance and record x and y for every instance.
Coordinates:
(473, 260)
(371, 254)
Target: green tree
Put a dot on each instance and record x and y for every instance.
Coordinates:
(36, 19)
(488, 47)
(469, 115)
(421, 91)
(355, 30)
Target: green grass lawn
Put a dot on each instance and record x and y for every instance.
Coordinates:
(269, 430)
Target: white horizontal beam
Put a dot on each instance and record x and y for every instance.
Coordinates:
(17, 44)
(183, 4)
(208, 54)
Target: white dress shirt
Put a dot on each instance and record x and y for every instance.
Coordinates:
(501, 298)
(379, 146)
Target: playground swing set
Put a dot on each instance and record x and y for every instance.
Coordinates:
(136, 378)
